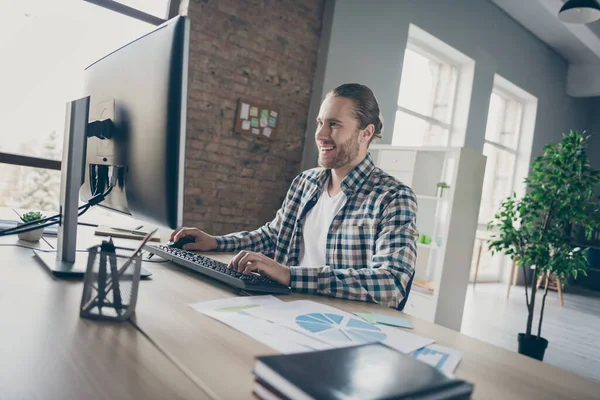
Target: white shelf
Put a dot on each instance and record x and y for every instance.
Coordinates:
(449, 219)
(425, 197)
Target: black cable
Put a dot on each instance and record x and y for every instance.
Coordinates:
(38, 224)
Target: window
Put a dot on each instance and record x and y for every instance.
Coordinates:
(508, 139)
(425, 101)
(435, 93)
(500, 148)
(46, 45)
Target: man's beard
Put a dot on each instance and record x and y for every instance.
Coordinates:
(345, 153)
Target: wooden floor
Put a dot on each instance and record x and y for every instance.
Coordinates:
(573, 330)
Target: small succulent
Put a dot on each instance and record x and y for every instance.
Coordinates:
(443, 185)
(31, 216)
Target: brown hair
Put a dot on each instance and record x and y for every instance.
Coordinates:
(366, 108)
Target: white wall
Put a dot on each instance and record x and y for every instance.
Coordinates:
(367, 46)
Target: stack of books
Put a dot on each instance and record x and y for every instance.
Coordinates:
(369, 372)
(423, 287)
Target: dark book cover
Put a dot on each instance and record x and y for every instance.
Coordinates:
(371, 371)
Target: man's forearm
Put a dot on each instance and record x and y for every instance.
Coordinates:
(381, 285)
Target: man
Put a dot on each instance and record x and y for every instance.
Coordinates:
(346, 229)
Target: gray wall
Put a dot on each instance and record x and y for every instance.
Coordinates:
(367, 45)
(594, 130)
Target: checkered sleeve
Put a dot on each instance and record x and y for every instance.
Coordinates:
(392, 265)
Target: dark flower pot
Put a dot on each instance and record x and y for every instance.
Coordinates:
(532, 346)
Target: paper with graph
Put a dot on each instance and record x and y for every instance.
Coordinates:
(440, 357)
(336, 327)
(235, 313)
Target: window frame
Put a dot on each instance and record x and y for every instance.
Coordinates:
(499, 146)
(44, 163)
(426, 51)
(172, 10)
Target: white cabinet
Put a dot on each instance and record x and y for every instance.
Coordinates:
(448, 217)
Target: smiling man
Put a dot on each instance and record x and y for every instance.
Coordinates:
(346, 229)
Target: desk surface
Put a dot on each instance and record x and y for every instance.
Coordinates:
(218, 358)
(48, 352)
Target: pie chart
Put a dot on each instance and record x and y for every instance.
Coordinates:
(337, 328)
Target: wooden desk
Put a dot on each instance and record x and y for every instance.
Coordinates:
(115, 361)
(48, 352)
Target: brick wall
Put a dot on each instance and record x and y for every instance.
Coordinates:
(263, 50)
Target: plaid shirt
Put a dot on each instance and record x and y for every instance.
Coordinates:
(371, 243)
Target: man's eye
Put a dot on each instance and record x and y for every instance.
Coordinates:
(332, 124)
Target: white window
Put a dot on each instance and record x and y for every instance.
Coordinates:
(508, 138)
(46, 45)
(426, 100)
(434, 95)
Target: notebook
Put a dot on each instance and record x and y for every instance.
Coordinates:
(366, 372)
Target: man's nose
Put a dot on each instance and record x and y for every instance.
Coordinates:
(322, 132)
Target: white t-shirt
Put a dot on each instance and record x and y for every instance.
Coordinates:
(316, 225)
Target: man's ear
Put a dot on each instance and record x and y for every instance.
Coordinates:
(368, 133)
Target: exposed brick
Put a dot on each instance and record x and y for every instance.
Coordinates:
(264, 51)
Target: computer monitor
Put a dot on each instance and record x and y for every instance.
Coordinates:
(142, 88)
(140, 92)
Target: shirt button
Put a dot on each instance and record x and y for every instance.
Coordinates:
(314, 198)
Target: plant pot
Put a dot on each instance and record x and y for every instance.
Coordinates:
(32, 236)
(532, 346)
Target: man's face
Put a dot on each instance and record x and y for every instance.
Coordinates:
(337, 133)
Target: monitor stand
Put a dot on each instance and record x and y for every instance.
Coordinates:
(65, 262)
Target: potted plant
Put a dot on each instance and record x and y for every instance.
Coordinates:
(34, 235)
(536, 230)
(440, 188)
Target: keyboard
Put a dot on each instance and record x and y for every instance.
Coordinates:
(217, 270)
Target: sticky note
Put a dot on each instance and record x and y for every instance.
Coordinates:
(267, 132)
(263, 122)
(253, 111)
(273, 114)
(386, 320)
(244, 111)
(264, 114)
(256, 131)
(367, 317)
(254, 122)
(272, 122)
(245, 125)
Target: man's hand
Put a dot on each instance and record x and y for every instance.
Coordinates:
(247, 261)
(203, 241)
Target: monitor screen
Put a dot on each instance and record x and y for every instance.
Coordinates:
(142, 88)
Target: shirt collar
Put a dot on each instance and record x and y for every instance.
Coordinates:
(353, 180)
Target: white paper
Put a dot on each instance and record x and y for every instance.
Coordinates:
(246, 125)
(256, 131)
(244, 111)
(263, 122)
(336, 327)
(443, 358)
(267, 132)
(273, 114)
(234, 312)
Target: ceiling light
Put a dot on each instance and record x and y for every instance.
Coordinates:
(579, 12)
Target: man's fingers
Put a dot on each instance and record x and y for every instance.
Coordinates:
(250, 267)
(233, 264)
(246, 262)
(185, 232)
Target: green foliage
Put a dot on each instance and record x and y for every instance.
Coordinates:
(443, 185)
(535, 231)
(31, 216)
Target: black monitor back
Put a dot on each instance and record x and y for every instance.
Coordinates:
(142, 88)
